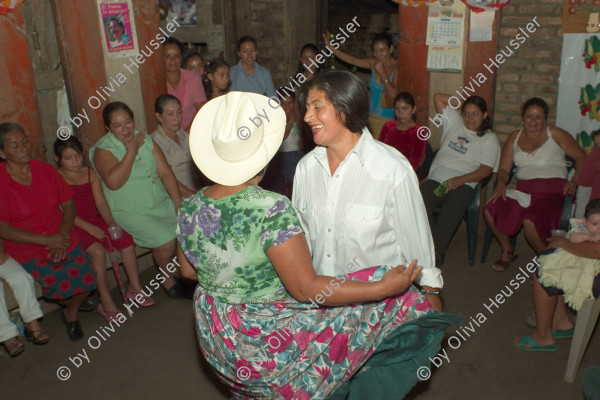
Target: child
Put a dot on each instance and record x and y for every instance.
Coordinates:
(596, 137)
(21, 284)
(404, 134)
(92, 225)
(195, 63)
(575, 276)
(588, 228)
(217, 72)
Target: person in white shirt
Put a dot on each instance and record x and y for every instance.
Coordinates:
(358, 199)
(468, 153)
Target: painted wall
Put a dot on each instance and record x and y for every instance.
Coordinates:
(18, 100)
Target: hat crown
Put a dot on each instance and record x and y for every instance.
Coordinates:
(235, 135)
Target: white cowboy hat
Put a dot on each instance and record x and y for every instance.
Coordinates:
(235, 136)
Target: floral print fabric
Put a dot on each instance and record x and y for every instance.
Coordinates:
(262, 342)
(226, 240)
(66, 278)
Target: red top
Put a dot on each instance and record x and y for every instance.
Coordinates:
(406, 142)
(34, 208)
(85, 204)
(590, 173)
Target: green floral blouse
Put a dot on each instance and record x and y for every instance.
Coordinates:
(226, 240)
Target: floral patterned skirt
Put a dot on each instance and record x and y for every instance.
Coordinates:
(63, 279)
(288, 350)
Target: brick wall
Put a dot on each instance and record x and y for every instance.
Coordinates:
(280, 27)
(267, 27)
(534, 68)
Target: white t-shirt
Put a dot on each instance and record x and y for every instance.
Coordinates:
(462, 151)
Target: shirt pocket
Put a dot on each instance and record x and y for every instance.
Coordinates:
(362, 223)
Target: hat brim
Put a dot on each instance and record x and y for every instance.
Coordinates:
(235, 173)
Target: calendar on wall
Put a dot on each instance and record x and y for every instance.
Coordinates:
(444, 31)
(445, 35)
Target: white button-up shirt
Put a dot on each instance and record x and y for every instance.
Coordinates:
(369, 212)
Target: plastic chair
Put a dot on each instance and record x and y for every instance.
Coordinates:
(587, 317)
(471, 217)
(564, 218)
(423, 170)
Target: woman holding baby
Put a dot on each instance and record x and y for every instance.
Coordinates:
(538, 152)
(569, 268)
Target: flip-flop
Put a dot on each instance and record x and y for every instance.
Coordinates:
(563, 334)
(527, 340)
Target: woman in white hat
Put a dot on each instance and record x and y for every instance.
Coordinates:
(263, 315)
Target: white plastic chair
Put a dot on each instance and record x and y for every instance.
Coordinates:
(587, 317)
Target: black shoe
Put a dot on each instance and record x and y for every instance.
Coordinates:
(88, 305)
(174, 291)
(73, 328)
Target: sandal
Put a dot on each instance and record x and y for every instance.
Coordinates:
(108, 315)
(528, 344)
(35, 336)
(14, 348)
(500, 265)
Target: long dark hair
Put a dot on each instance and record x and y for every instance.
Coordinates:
(211, 67)
(61, 145)
(479, 101)
(408, 99)
(383, 37)
(307, 46)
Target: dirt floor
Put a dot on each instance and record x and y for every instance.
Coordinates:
(153, 355)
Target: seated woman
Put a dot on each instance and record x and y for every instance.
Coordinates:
(175, 143)
(404, 134)
(469, 152)
(246, 248)
(538, 152)
(579, 251)
(36, 221)
(21, 284)
(92, 224)
(181, 83)
(139, 186)
(384, 77)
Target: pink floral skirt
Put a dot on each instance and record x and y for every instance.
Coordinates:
(288, 350)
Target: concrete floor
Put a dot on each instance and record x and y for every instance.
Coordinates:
(154, 354)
